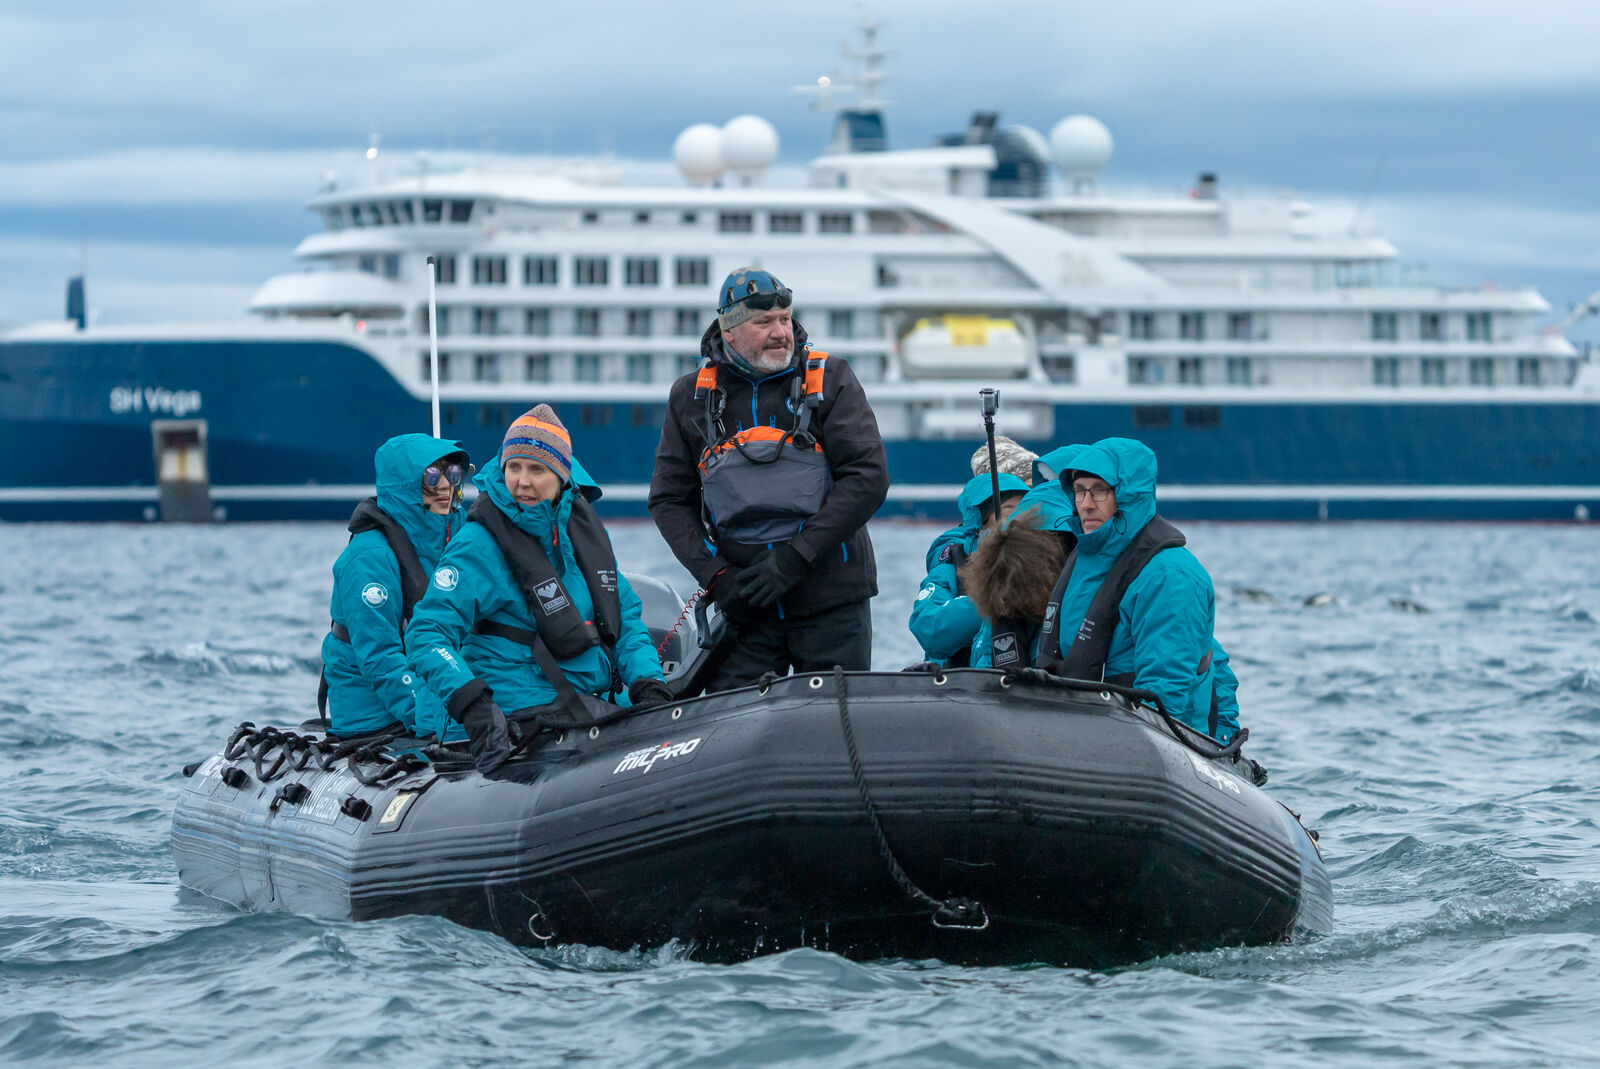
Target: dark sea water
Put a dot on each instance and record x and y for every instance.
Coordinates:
(1438, 720)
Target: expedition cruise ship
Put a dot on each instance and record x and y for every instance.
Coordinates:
(1279, 370)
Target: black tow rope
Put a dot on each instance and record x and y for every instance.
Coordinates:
(963, 913)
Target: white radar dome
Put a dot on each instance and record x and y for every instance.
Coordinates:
(698, 153)
(1082, 146)
(749, 145)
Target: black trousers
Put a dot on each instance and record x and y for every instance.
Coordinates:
(841, 636)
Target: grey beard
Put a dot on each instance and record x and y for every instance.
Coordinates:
(762, 362)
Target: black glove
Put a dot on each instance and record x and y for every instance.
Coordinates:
(644, 693)
(723, 592)
(773, 575)
(924, 666)
(487, 734)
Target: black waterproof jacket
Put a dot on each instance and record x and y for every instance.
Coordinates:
(834, 541)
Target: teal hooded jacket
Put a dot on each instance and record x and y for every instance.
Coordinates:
(1167, 616)
(473, 582)
(370, 686)
(943, 619)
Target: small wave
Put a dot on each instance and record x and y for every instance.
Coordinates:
(200, 658)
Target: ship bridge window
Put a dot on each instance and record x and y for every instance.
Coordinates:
(1480, 371)
(427, 366)
(368, 264)
(736, 222)
(1241, 327)
(590, 270)
(841, 323)
(486, 367)
(835, 222)
(460, 211)
(375, 214)
(1191, 371)
(447, 268)
(1239, 371)
(641, 271)
(432, 211)
(1478, 326)
(639, 322)
(1142, 325)
(1430, 326)
(688, 324)
(882, 222)
(408, 212)
(486, 321)
(536, 367)
(586, 322)
(1529, 372)
(355, 216)
(1146, 370)
(1201, 415)
(391, 266)
(1385, 326)
(489, 270)
(786, 222)
(693, 271)
(1386, 371)
(1060, 369)
(392, 211)
(1192, 326)
(333, 218)
(1433, 371)
(538, 270)
(537, 322)
(1152, 417)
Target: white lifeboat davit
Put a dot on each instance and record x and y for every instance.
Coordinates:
(965, 347)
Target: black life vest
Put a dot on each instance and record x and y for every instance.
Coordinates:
(1086, 657)
(413, 577)
(557, 623)
(761, 484)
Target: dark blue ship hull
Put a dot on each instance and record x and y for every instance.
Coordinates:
(291, 427)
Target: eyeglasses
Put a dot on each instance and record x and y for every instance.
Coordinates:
(1097, 493)
(433, 474)
(762, 302)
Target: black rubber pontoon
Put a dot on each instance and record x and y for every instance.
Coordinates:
(1080, 826)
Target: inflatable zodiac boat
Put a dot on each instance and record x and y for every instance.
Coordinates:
(973, 816)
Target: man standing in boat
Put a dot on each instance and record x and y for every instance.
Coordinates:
(769, 467)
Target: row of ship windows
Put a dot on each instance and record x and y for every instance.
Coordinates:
(494, 415)
(585, 322)
(1386, 371)
(438, 210)
(1242, 326)
(546, 270)
(595, 368)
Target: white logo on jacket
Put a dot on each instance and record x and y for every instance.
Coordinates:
(446, 578)
(375, 594)
(551, 599)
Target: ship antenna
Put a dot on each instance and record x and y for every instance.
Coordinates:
(433, 341)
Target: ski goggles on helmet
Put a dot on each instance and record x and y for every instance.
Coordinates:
(453, 474)
(763, 302)
(753, 288)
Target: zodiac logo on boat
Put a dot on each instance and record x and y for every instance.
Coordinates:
(551, 597)
(644, 760)
(374, 594)
(446, 578)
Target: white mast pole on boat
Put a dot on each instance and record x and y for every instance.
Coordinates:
(433, 341)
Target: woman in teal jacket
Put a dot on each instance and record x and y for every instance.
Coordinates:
(1164, 637)
(397, 538)
(942, 616)
(495, 632)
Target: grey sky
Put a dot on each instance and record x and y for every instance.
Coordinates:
(165, 126)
